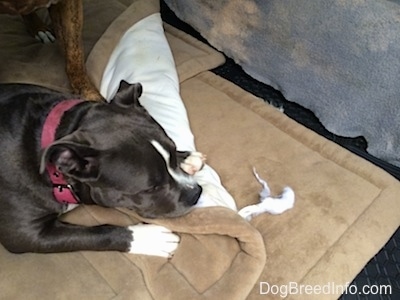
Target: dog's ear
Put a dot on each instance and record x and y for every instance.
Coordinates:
(128, 94)
(75, 160)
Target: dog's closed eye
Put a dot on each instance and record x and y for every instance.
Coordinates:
(153, 189)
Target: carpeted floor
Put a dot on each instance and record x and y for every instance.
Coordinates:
(384, 268)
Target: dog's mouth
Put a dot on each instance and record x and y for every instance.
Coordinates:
(169, 215)
(188, 198)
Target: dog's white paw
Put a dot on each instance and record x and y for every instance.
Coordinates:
(150, 239)
(46, 37)
(193, 163)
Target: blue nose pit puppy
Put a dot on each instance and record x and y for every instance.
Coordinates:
(58, 152)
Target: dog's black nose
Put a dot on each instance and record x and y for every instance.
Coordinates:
(196, 197)
(192, 194)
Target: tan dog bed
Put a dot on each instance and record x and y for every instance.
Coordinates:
(345, 210)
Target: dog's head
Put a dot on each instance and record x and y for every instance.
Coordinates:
(124, 158)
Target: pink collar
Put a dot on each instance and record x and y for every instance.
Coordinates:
(62, 191)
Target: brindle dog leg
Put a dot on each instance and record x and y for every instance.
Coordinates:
(67, 19)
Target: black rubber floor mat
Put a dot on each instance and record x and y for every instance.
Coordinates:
(380, 278)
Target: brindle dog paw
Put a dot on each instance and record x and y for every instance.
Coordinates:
(38, 29)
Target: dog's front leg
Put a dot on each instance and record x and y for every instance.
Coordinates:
(67, 19)
(54, 236)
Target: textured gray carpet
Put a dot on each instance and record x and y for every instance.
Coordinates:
(340, 59)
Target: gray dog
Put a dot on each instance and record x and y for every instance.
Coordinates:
(57, 153)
